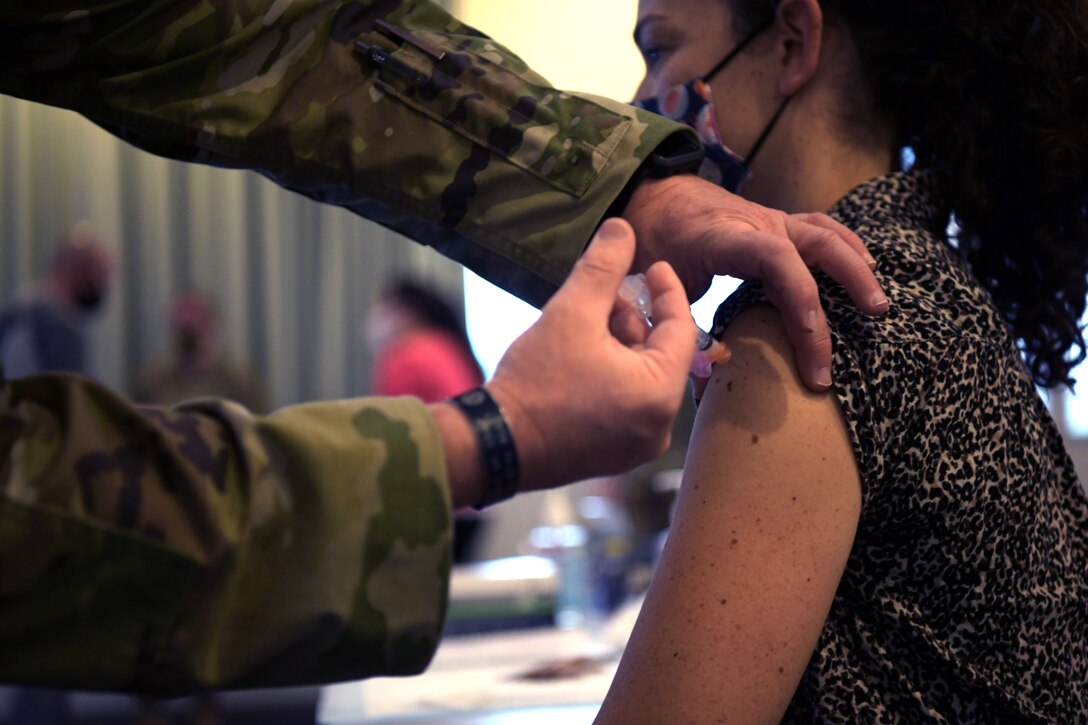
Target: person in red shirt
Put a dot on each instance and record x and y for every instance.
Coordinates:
(422, 347)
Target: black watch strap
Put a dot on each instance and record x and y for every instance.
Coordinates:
(680, 153)
(500, 455)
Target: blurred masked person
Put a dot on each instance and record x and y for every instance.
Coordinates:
(44, 329)
(197, 366)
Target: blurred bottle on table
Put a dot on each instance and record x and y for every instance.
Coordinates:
(608, 552)
(563, 539)
(590, 545)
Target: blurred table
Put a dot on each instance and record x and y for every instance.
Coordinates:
(480, 679)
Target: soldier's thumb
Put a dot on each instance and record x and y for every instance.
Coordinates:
(596, 277)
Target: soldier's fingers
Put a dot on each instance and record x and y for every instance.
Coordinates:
(626, 325)
(674, 331)
(844, 232)
(596, 277)
(825, 248)
(790, 287)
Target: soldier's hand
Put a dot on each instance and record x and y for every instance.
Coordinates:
(703, 230)
(582, 401)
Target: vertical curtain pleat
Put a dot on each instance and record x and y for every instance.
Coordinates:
(291, 278)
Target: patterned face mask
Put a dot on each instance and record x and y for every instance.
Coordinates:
(692, 104)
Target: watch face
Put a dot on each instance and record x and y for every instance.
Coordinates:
(684, 160)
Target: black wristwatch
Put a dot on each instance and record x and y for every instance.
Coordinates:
(680, 153)
(500, 455)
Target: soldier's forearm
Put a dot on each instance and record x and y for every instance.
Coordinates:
(169, 549)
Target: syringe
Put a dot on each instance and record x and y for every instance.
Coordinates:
(708, 351)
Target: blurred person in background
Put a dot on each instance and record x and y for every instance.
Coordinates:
(44, 328)
(421, 348)
(197, 366)
(420, 345)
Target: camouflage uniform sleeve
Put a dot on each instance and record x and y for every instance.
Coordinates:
(165, 550)
(423, 124)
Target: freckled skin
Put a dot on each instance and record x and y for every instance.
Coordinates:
(745, 655)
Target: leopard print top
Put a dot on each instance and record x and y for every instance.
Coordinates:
(965, 597)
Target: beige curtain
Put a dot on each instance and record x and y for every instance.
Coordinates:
(291, 277)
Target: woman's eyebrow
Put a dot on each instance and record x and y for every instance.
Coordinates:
(640, 26)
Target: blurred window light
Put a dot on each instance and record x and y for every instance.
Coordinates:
(495, 318)
(1072, 413)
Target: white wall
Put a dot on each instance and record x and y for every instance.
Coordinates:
(578, 45)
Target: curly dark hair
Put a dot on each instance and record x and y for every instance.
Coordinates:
(993, 98)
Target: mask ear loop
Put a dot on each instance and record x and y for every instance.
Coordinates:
(766, 132)
(740, 48)
(756, 31)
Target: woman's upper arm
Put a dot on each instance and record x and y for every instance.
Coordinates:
(762, 531)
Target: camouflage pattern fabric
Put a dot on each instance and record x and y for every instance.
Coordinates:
(162, 551)
(423, 125)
